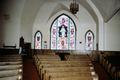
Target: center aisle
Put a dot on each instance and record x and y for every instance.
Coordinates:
(29, 70)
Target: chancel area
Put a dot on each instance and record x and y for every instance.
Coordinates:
(59, 40)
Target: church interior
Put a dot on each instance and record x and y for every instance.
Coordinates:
(59, 40)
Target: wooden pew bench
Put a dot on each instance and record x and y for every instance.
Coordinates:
(37, 62)
(16, 77)
(40, 59)
(10, 63)
(72, 64)
(10, 67)
(64, 64)
(67, 74)
(72, 78)
(77, 67)
(60, 63)
(10, 55)
(46, 58)
(9, 60)
(61, 69)
(112, 65)
(65, 69)
(8, 73)
(77, 57)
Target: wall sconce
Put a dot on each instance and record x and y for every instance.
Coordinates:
(6, 16)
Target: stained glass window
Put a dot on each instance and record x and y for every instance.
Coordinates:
(63, 33)
(89, 39)
(38, 40)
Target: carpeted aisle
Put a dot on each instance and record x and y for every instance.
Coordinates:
(29, 70)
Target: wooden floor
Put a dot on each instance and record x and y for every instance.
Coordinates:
(30, 72)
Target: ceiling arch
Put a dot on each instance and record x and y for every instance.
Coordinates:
(107, 8)
(29, 12)
(58, 8)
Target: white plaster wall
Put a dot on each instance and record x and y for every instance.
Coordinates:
(86, 23)
(25, 21)
(1, 25)
(83, 21)
(100, 26)
(112, 33)
(12, 25)
(28, 16)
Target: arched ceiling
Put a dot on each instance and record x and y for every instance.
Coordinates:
(107, 8)
(31, 7)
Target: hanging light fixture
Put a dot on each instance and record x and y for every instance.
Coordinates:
(74, 7)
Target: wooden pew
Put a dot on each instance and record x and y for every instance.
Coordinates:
(16, 55)
(72, 78)
(10, 63)
(16, 77)
(72, 64)
(64, 69)
(9, 60)
(77, 66)
(117, 75)
(63, 63)
(8, 57)
(39, 64)
(110, 62)
(37, 61)
(67, 74)
(46, 58)
(77, 57)
(10, 67)
(11, 55)
(7, 73)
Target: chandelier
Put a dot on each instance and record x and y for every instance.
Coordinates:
(74, 7)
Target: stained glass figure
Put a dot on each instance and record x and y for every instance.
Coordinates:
(89, 38)
(38, 39)
(63, 33)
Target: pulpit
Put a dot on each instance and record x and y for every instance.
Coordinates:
(27, 48)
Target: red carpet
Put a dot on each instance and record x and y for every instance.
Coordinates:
(29, 70)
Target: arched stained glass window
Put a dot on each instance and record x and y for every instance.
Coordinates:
(63, 33)
(38, 40)
(89, 40)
